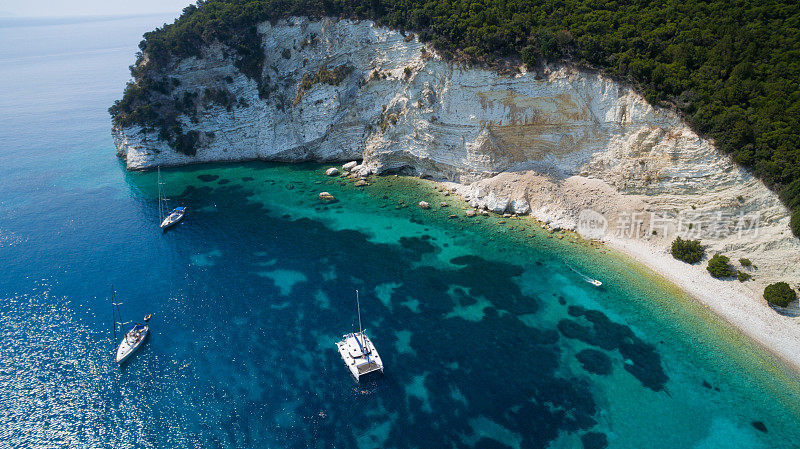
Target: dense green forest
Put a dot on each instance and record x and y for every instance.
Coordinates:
(730, 67)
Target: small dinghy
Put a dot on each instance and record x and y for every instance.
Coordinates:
(131, 341)
(595, 282)
(175, 215)
(358, 352)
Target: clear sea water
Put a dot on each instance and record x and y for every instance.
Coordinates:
(489, 339)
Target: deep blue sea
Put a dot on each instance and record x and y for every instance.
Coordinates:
(488, 338)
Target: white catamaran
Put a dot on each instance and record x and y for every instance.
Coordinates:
(358, 352)
(175, 215)
(131, 340)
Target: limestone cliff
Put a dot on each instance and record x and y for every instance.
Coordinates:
(566, 146)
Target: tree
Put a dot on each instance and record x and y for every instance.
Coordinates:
(780, 294)
(689, 251)
(719, 267)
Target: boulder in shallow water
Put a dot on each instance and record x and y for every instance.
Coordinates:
(327, 197)
(361, 183)
(424, 205)
(469, 213)
(333, 171)
(349, 166)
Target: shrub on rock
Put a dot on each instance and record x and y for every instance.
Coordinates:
(689, 251)
(780, 294)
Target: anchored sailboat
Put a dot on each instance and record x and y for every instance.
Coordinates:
(358, 352)
(175, 215)
(131, 340)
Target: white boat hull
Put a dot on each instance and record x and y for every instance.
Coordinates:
(131, 342)
(172, 219)
(360, 355)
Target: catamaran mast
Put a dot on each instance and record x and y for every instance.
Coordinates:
(358, 304)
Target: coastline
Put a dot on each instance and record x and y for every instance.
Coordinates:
(777, 334)
(729, 300)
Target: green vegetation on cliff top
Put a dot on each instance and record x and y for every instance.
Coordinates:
(731, 68)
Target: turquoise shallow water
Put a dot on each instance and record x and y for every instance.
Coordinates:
(488, 338)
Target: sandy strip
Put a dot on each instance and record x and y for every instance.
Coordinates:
(730, 300)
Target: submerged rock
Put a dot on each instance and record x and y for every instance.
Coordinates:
(642, 360)
(326, 196)
(594, 440)
(595, 361)
(424, 205)
(333, 171)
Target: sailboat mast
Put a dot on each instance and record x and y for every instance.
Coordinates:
(114, 316)
(160, 195)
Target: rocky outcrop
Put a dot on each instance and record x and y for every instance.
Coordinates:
(575, 149)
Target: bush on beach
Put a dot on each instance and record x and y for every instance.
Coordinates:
(779, 294)
(689, 251)
(719, 266)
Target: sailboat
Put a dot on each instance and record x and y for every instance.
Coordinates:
(595, 282)
(175, 215)
(358, 352)
(131, 340)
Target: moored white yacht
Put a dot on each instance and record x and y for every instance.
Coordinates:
(358, 352)
(175, 215)
(131, 341)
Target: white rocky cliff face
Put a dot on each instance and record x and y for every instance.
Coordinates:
(564, 147)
